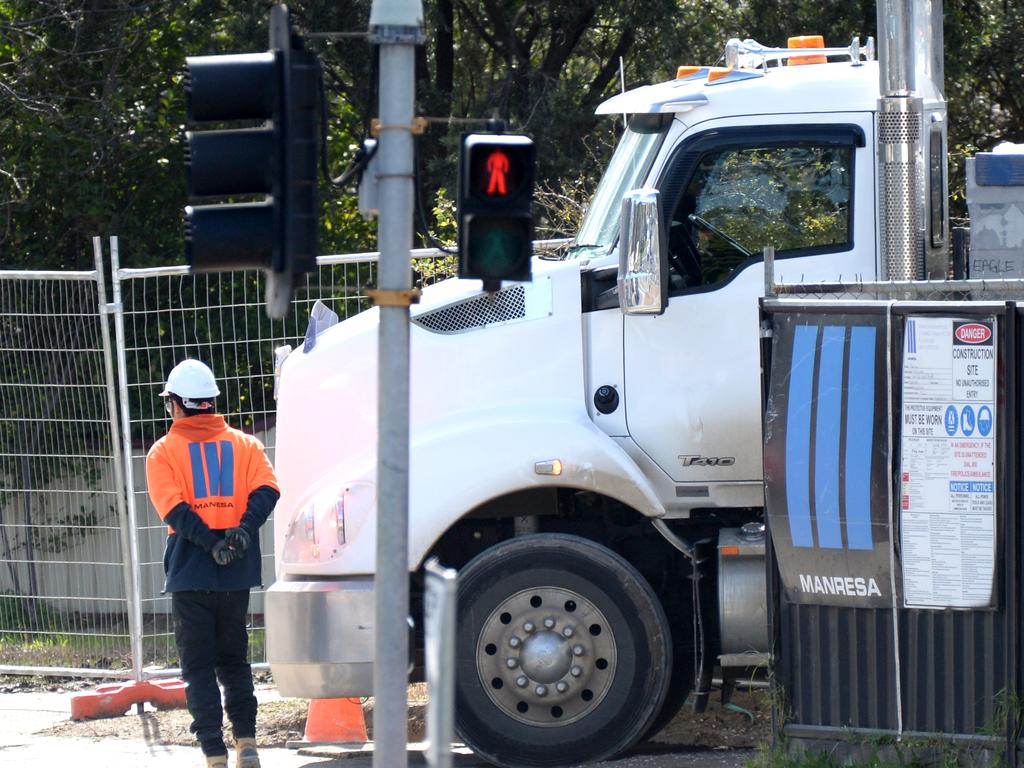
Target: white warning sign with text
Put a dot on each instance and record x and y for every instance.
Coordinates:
(948, 467)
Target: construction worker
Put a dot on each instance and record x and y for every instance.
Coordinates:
(214, 487)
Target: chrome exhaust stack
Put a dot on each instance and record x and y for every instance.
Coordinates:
(911, 130)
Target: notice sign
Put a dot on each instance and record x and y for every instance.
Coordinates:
(948, 468)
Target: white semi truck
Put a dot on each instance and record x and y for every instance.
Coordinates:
(586, 447)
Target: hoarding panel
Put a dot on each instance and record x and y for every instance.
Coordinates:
(826, 458)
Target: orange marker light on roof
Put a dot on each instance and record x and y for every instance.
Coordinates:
(686, 71)
(717, 73)
(806, 41)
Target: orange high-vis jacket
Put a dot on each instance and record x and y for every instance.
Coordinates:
(210, 466)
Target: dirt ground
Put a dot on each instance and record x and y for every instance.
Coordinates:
(745, 723)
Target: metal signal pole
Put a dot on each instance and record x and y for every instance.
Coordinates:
(396, 26)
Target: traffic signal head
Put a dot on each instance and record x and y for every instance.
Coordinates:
(495, 208)
(271, 166)
(238, 162)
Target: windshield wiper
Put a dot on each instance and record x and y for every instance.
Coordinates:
(577, 248)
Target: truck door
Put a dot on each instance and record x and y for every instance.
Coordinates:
(693, 373)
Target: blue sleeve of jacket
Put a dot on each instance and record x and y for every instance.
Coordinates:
(185, 521)
(261, 504)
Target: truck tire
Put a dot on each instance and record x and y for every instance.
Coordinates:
(563, 653)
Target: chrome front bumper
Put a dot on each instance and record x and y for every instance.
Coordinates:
(320, 637)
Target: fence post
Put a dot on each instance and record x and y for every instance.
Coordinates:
(131, 588)
(135, 607)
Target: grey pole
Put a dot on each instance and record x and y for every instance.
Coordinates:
(128, 554)
(129, 473)
(397, 27)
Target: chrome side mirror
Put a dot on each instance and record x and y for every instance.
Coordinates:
(642, 268)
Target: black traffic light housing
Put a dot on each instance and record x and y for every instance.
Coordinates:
(495, 208)
(275, 160)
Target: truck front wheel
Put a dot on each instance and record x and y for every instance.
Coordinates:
(563, 652)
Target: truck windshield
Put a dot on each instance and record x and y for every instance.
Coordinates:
(627, 169)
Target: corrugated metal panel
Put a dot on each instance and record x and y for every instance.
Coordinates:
(837, 666)
(954, 664)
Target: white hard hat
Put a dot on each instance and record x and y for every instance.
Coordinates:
(193, 382)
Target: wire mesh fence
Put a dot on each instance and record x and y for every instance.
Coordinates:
(63, 579)
(918, 291)
(81, 547)
(778, 288)
(171, 315)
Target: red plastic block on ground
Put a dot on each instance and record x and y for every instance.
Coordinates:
(115, 699)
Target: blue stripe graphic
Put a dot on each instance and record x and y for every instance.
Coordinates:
(198, 476)
(227, 468)
(221, 470)
(798, 435)
(911, 336)
(826, 437)
(860, 423)
(212, 468)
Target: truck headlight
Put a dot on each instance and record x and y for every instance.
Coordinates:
(317, 530)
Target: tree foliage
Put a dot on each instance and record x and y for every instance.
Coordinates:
(92, 99)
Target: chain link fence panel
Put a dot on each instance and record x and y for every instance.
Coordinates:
(81, 559)
(64, 597)
(171, 315)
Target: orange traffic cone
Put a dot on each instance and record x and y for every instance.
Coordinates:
(335, 721)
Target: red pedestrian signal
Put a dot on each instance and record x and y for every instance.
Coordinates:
(497, 170)
(495, 208)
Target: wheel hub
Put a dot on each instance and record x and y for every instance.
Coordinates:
(546, 656)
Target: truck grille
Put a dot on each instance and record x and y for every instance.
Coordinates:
(486, 309)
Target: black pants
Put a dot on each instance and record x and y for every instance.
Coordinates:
(209, 630)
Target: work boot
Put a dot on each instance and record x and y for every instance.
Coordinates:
(217, 761)
(245, 753)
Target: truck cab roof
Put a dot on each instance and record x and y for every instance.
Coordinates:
(718, 92)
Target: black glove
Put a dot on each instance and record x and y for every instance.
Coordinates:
(223, 554)
(237, 538)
